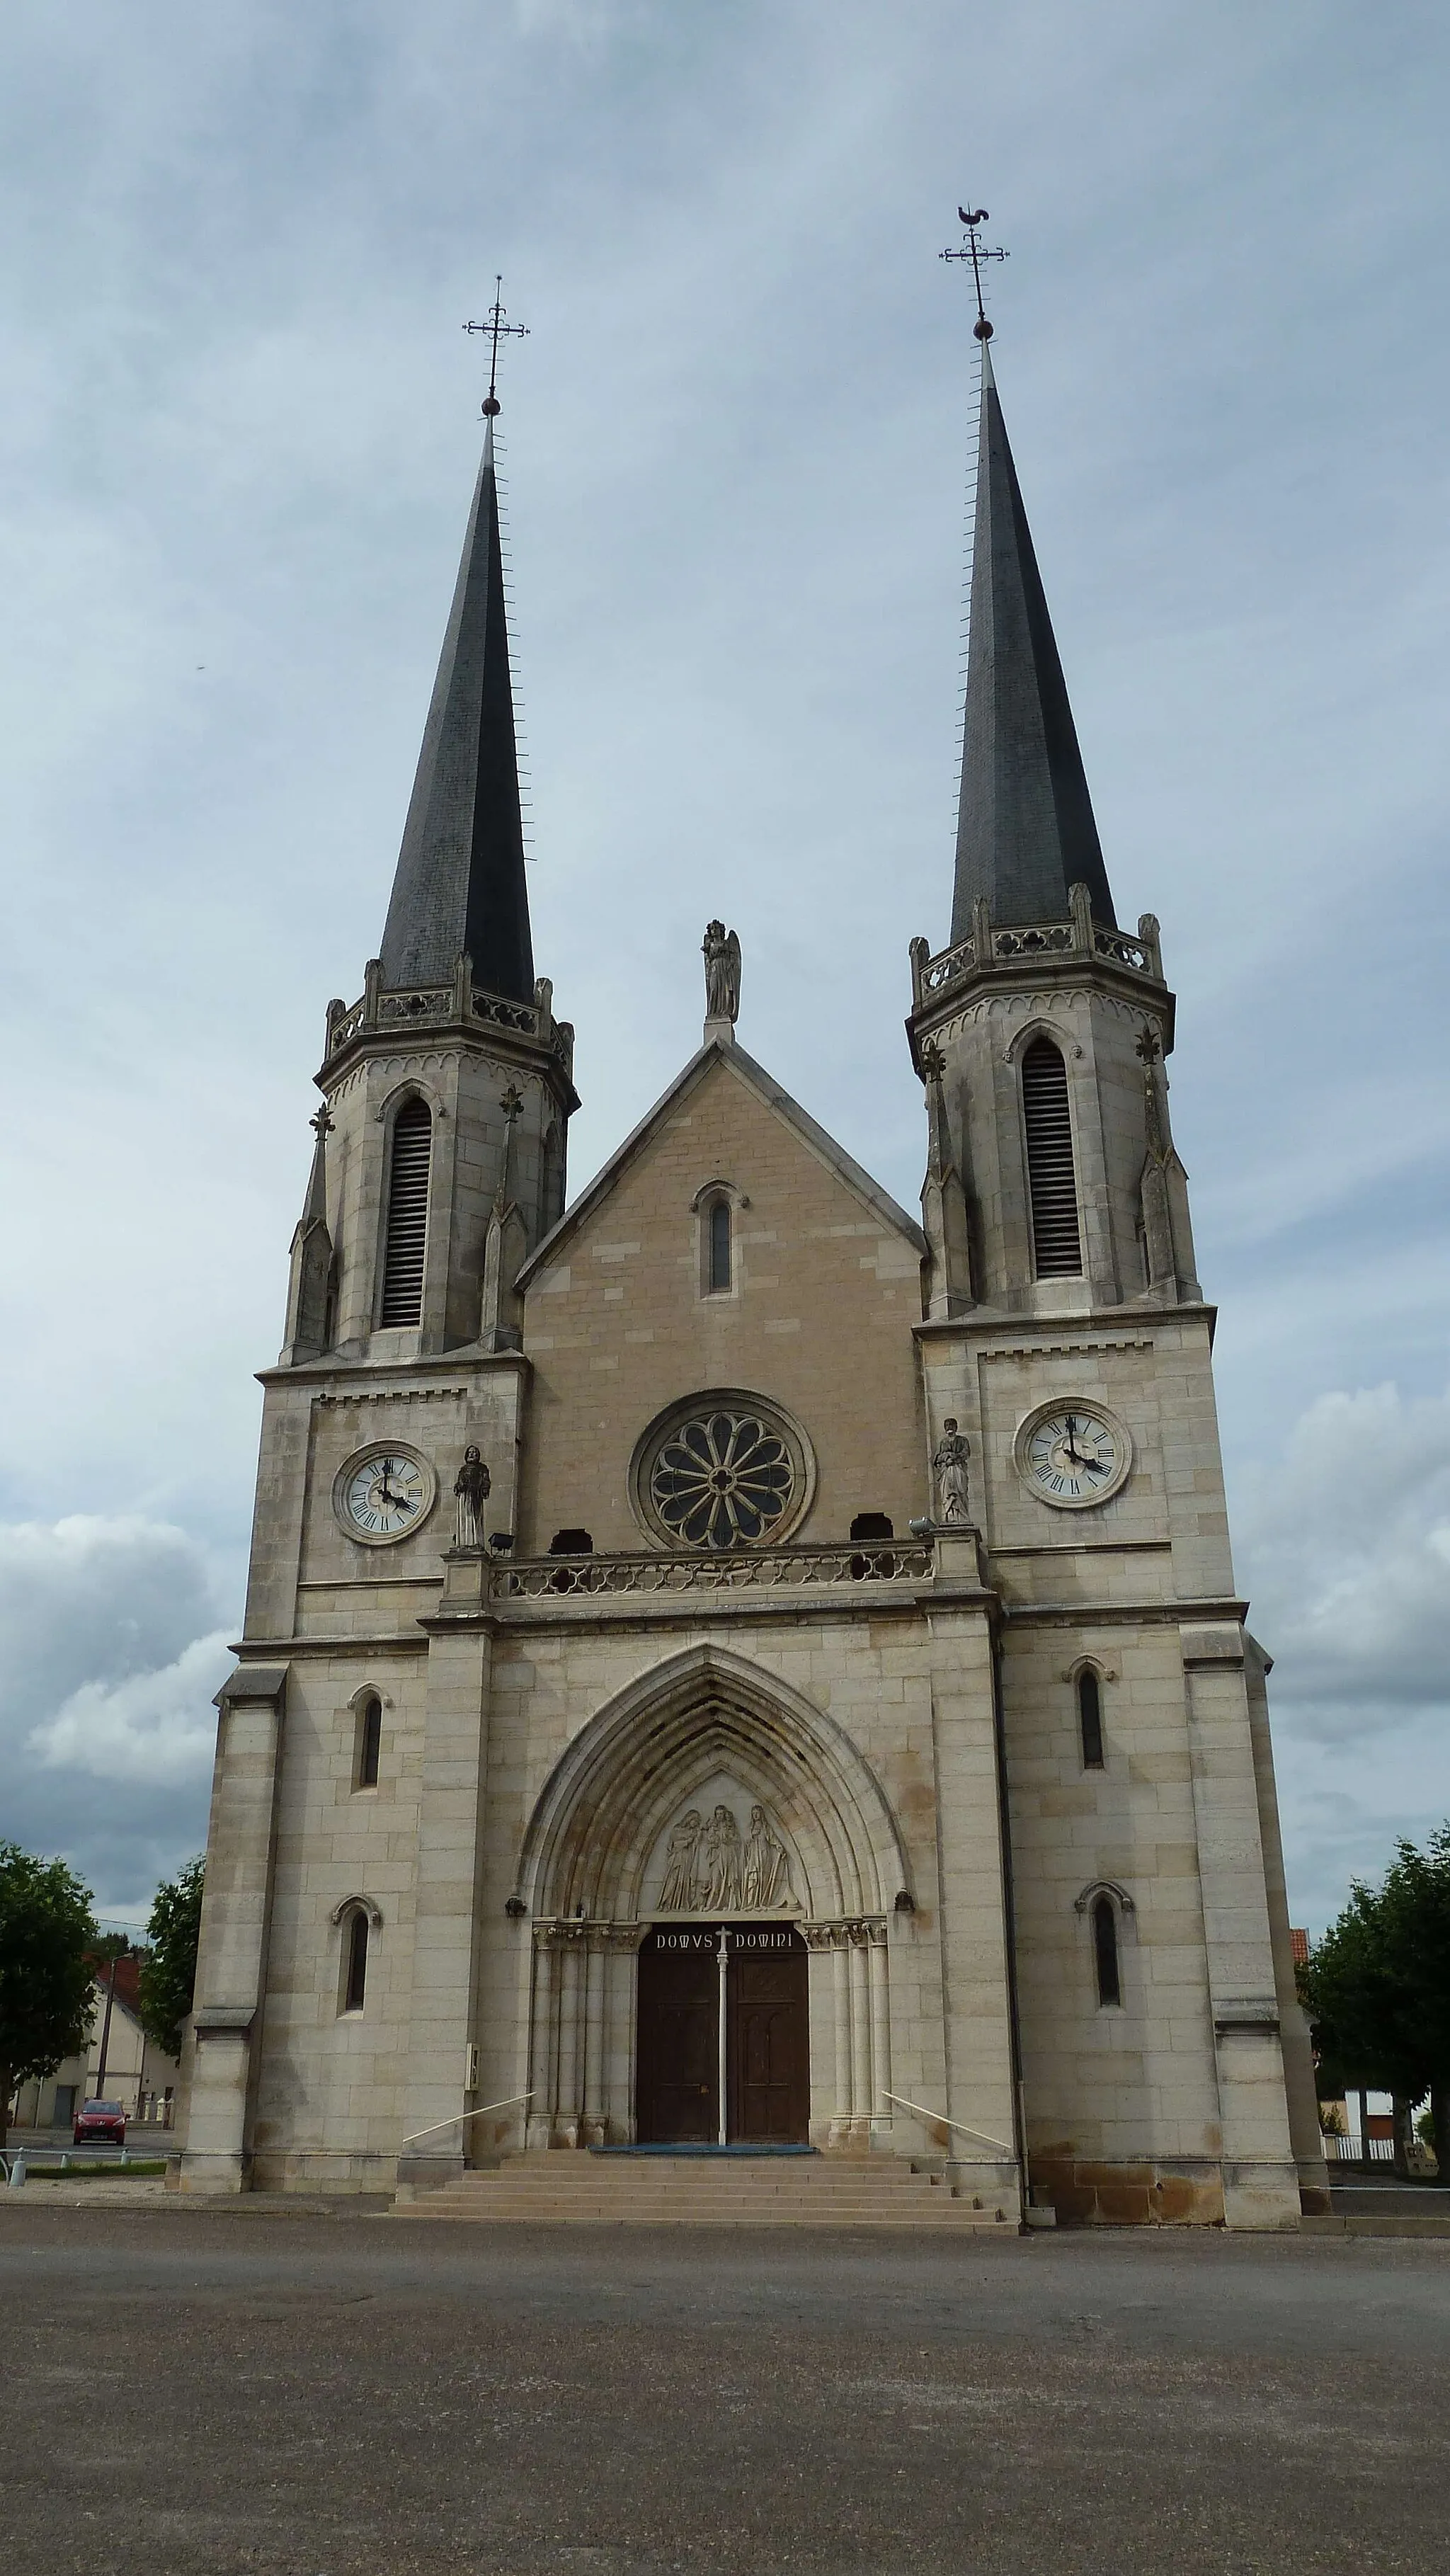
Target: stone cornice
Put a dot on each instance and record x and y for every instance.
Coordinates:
(1124, 1328)
(1082, 1614)
(346, 1381)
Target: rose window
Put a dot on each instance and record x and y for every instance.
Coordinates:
(730, 1477)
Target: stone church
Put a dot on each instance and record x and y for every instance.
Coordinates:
(731, 1664)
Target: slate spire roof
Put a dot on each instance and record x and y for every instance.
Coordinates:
(460, 878)
(1025, 828)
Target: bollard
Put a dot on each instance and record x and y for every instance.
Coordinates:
(17, 2171)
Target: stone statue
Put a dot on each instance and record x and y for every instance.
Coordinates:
(680, 1888)
(949, 1467)
(471, 1492)
(721, 953)
(766, 1879)
(721, 1892)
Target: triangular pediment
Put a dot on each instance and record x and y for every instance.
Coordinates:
(716, 1060)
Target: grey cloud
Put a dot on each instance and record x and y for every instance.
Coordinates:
(109, 1652)
(1346, 1548)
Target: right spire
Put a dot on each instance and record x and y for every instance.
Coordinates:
(1025, 828)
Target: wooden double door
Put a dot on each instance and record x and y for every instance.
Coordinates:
(766, 2050)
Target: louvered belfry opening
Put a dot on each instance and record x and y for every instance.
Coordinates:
(1051, 1180)
(407, 1215)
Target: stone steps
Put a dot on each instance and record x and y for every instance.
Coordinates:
(577, 2189)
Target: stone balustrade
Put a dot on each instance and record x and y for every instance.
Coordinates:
(439, 1005)
(904, 1561)
(1013, 944)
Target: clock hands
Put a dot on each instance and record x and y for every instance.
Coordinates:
(384, 1494)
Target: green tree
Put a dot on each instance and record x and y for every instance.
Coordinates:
(168, 1976)
(47, 1943)
(1377, 1986)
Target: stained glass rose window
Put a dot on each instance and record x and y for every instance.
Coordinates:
(723, 1473)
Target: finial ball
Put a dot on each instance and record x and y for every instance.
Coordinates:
(491, 406)
(982, 330)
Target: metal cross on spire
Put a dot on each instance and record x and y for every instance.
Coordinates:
(976, 252)
(497, 329)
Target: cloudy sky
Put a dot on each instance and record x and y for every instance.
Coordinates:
(238, 443)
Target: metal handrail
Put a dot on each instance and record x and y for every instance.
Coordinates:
(463, 2115)
(983, 2135)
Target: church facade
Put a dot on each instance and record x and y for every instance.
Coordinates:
(727, 1661)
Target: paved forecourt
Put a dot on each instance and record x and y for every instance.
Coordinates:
(337, 2390)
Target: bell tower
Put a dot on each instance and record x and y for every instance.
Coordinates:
(448, 1088)
(1042, 1028)
(1066, 1334)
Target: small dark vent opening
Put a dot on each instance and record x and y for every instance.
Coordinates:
(571, 1542)
(1105, 1951)
(1090, 1718)
(407, 1215)
(1052, 1183)
(872, 1526)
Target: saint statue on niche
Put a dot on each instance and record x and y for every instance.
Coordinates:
(949, 1466)
(470, 1494)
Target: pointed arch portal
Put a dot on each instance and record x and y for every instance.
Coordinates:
(708, 1797)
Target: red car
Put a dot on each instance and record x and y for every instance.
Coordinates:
(99, 2120)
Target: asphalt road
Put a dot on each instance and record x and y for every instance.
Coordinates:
(243, 2389)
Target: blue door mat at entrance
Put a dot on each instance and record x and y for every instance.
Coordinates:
(745, 2148)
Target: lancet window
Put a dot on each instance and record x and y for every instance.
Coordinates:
(355, 1981)
(1105, 1951)
(369, 1740)
(1090, 1718)
(1051, 1178)
(402, 1299)
(718, 1261)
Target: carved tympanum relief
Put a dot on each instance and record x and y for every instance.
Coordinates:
(714, 1864)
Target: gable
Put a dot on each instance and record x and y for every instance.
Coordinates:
(621, 1320)
(667, 1109)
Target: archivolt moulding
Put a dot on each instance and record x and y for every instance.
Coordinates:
(600, 1814)
(367, 1905)
(1108, 1887)
(410, 1086)
(1039, 1026)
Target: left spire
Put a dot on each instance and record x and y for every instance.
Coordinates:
(459, 887)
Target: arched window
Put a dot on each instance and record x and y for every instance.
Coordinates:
(1105, 1951)
(369, 1740)
(402, 1301)
(1090, 1718)
(1051, 1181)
(719, 1261)
(355, 1988)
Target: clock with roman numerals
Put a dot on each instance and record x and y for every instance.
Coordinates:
(384, 1493)
(1072, 1455)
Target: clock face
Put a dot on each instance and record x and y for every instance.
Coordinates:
(1072, 1454)
(385, 1493)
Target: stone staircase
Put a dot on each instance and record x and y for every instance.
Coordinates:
(563, 2188)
